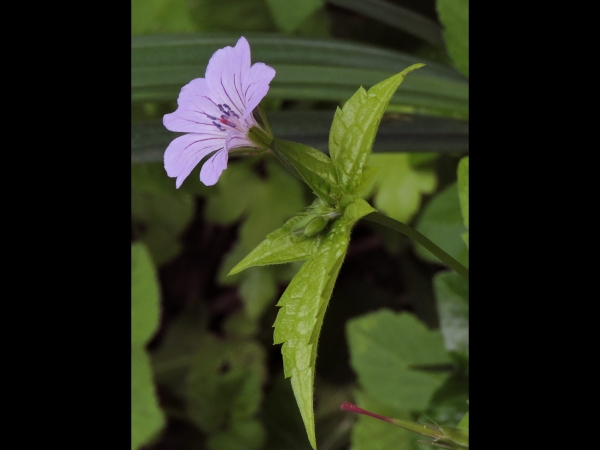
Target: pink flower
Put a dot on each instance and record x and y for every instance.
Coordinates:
(216, 112)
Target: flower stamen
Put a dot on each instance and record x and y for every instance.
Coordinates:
(226, 109)
(218, 125)
(224, 121)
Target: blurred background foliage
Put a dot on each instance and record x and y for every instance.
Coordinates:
(205, 374)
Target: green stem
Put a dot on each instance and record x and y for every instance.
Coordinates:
(420, 239)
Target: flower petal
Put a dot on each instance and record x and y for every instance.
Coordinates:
(185, 152)
(235, 139)
(213, 167)
(225, 75)
(256, 86)
(195, 88)
(194, 106)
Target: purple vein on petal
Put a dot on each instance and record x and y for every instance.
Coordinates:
(227, 94)
(213, 167)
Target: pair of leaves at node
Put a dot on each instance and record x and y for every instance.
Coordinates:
(336, 181)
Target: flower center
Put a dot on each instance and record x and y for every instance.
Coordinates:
(229, 118)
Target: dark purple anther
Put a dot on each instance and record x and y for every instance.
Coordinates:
(225, 108)
(223, 111)
(211, 117)
(218, 125)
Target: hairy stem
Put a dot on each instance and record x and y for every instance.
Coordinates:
(420, 239)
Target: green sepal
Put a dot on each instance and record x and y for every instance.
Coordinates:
(315, 168)
(316, 225)
(354, 128)
(300, 226)
(260, 137)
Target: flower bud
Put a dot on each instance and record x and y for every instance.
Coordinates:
(299, 226)
(316, 225)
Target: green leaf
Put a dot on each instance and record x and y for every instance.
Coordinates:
(397, 133)
(452, 293)
(463, 188)
(288, 18)
(144, 296)
(280, 247)
(159, 219)
(160, 16)
(357, 209)
(303, 306)
(368, 175)
(354, 128)
(225, 383)
(301, 314)
(399, 187)
(464, 422)
(449, 403)
(442, 222)
(389, 351)
(369, 433)
(315, 168)
(318, 69)
(146, 417)
(454, 15)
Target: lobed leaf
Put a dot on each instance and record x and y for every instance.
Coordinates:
(398, 186)
(302, 306)
(224, 384)
(389, 353)
(354, 128)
